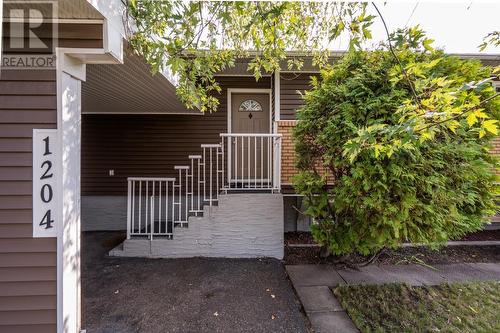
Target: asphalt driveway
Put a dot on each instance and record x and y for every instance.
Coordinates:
(184, 295)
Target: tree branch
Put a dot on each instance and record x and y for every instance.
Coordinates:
(484, 101)
(405, 74)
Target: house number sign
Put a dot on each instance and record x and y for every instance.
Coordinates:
(46, 194)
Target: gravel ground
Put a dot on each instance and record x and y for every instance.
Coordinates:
(184, 295)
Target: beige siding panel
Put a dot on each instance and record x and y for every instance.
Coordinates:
(15, 202)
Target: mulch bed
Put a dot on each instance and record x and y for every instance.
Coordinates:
(306, 237)
(485, 235)
(406, 255)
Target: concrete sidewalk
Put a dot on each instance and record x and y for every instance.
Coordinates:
(313, 283)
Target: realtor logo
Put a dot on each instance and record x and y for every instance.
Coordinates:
(29, 34)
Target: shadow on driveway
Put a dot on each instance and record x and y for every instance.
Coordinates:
(184, 295)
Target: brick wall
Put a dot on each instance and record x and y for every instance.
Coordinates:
(288, 169)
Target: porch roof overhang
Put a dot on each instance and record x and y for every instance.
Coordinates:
(129, 88)
(241, 65)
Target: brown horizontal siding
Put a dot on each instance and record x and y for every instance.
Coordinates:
(291, 87)
(35, 259)
(16, 159)
(27, 289)
(27, 303)
(23, 274)
(49, 328)
(69, 34)
(20, 245)
(28, 116)
(15, 173)
(28, 317)
(15, 188)
(15, 216)
(27, 265)
(148, 145)
(15, 202)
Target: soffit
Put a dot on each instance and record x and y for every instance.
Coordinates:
(129, 88)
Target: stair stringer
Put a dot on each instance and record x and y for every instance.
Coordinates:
(243, 225)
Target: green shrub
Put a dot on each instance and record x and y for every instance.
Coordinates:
(400, 168)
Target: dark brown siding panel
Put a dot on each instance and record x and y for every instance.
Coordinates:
(15, 188)
(28, 317)
(69, 34)
(27, 288)
(148, 145)
(20, 303)
(51, 328)
(291, 88)
(19, 274)
(15, 216)
(27, 265)
(28, 116)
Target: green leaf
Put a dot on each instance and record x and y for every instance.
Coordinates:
(471, 119)
(490, 126)
(453, 125)
(427, 44)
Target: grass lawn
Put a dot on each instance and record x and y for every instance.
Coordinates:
(461, 307)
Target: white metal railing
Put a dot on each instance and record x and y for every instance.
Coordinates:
(253, 161)
(240, 162)
(154, 205)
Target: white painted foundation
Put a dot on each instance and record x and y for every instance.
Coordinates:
(243, 225)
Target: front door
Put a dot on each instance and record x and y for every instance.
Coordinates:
(250, 115)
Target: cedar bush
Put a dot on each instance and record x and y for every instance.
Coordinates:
(396, 168)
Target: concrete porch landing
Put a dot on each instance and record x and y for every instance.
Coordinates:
(243, 225)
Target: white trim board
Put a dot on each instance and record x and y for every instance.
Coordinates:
(199, 113)
(277, 96)
(70, 71)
